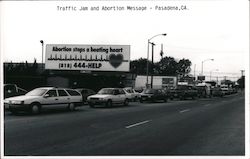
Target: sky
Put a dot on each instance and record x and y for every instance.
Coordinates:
(216, 30)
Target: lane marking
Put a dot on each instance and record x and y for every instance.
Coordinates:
(185, 110)
(136, 124)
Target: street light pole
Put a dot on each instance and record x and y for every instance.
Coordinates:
(147, 69)
(152, 69)
(41, 41)
(202, 64)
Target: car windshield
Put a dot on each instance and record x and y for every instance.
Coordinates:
(105, 91)
(36, 92)
(148, 91)
(129, 90)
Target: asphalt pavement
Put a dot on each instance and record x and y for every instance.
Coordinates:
(208, 126)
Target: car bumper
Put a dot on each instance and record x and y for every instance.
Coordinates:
(96, 102)
(17, 107)
(146, 98)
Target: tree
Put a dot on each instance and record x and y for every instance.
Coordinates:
(167, 66)
(241, 82)
(139, 66)
(183, 67)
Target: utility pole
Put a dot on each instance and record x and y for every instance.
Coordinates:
(152, 69)
(161, 53)
(194, 70)
(242, 73)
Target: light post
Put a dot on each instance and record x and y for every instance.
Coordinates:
(152, 69)
(202, 64)
(211, 73)
(41, 41)
(164, 34)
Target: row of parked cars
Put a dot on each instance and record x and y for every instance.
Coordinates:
(53, 97)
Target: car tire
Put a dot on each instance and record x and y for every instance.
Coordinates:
(141, 101)
(91, 105)
(165, 100)
(71, 107)
(125, 102)
(35, 109)
(135, 99)
(109, 103)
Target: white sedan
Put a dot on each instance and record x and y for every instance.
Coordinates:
(44, 97)
(108, 97)
(132, 94)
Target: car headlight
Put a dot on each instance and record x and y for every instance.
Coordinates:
(17, 102)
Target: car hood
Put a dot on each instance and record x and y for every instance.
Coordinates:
(21, 98)
(100, 96)
(146, 94)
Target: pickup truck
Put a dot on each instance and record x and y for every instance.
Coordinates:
(183, 92)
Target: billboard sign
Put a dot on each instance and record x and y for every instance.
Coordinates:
(87, 57)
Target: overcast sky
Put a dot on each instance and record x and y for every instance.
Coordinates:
(208, 29)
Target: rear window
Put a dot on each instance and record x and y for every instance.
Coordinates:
(73, 93)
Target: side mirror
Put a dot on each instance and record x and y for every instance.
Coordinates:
(46, 96)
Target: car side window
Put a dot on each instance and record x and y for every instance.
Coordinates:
(62, 93)
(116, 92)
(52, 93)
(73, 93)
(121, 91)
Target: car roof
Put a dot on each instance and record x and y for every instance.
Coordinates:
(112, 88)
(52, 88)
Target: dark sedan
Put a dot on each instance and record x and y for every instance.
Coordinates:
(153, 95)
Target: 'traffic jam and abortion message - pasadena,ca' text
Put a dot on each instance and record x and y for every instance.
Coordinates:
(123, 8)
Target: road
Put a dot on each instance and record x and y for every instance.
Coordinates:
(213, 126)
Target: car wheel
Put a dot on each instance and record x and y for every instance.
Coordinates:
(141, 101)
(165, 100)
(91, 105)
(109, 103)
(125, 102)
(71, 106)
(35, 109)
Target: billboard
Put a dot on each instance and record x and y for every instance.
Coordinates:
(87, 57)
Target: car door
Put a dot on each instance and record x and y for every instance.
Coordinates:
(63, 98)
(122, 95)
(116, 96)
(50, 99)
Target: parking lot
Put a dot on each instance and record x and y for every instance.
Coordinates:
(205, 126)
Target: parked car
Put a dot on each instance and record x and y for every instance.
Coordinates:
(204, 90)
(108, 97)
(225, 89)
(132, 94)
(44, 97)
(85, 93)
(153, 95)
(11, 90)
(217, 92)
(183, 92)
